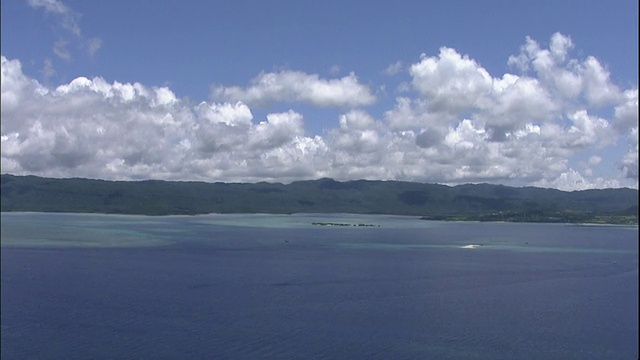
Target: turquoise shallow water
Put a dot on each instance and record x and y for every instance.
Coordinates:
(277, 286)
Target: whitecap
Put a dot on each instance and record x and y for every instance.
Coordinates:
(470, 246)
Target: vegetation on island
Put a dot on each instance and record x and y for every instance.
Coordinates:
(471, 202)
(318, 223)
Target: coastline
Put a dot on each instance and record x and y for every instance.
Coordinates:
(613, 220)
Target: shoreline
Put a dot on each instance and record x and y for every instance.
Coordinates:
(451, 218)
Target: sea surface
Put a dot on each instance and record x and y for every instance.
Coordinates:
(314, 286)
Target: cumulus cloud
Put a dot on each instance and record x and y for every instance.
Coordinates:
(15, 87)
(295, 86)
(571, 79)
(531, 123)
(571, 180)
(629, 163)
(587, 130)
(450, 82)
(93, 128)
(555, 123)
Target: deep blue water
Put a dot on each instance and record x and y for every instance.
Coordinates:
(259, 286)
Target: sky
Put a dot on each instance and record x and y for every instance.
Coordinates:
(521, 93)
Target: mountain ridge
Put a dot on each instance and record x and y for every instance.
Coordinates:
(483, 202)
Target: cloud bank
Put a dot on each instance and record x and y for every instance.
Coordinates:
(547, 124)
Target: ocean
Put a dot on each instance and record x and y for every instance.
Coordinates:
(314, 286)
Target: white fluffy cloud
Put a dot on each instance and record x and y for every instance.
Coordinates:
(93, 128)
(554, 124)
(295, 86)
(567, 78)
(451, 82)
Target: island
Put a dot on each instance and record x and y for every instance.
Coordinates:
(318, 223)
(468, 202)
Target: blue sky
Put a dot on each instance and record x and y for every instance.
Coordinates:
(515, 92)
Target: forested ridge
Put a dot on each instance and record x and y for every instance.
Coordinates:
(483, 202)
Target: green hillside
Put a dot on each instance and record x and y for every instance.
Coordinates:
(482, 202)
